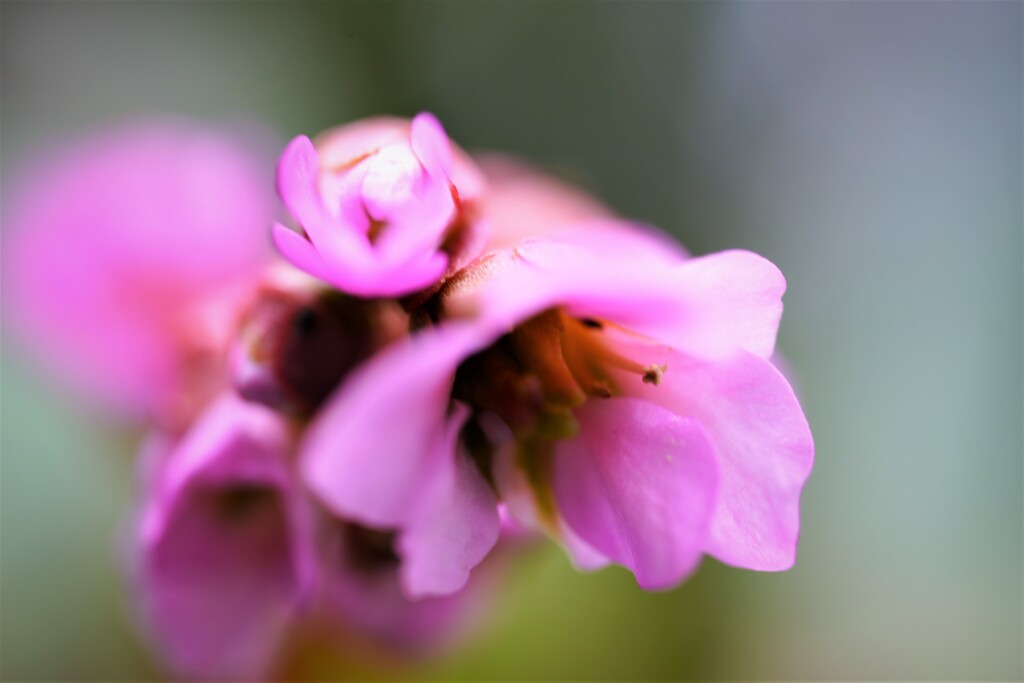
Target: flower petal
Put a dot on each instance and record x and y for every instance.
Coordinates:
(457, 521)
(430, 144)
(521, 506)
(301, 253)
(763, 445)
(370, 449)
(417, 228)
(638, 485)
(706, 306)
(737, 301)
(340, 242)
(224, 555)
(362, 278)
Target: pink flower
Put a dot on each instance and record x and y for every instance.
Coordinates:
(381, 204)
(225, 555)
(128, 253)
(231, 559)
(606, 388)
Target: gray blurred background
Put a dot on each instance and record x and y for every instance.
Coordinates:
(872, 150)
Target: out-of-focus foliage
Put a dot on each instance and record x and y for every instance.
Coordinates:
(871, 150)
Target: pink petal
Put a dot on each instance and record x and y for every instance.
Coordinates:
(599, 240)
(514, 488)
(365, 278)
(763, 446)
(225, 555)
(456, 525)
(707, 306)
(337, 238)
(521, 506)
(638, 484)
(582, 555)
(430, 144)
(297, 182)
(393, 172)
(740, 303)
(391, 178)
(371, 448)
(339, 146)
(339, 253)
(298, 251)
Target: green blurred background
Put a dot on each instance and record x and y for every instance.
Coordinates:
(872, 150)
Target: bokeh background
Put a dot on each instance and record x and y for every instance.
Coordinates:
(872, 150)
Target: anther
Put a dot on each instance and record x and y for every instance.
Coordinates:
(654, 373)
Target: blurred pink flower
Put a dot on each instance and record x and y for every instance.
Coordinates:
(640, 420)
(224, 556)
(127, 254)
(381, 203)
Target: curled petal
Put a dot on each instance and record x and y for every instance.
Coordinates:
(430, 143)
(708, 306)
(741, 303)
(763, 447)
(520, 504)
(302, 254)
(638, 485)
(457, 523)
(359, 277)
(380, 208)
(336, 237)
(417, 228)
(409, 476)
(583, 555)
(371, 447)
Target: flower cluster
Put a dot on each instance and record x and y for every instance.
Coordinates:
(453, 352)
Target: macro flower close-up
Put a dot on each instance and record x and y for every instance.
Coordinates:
(511, 341)
(640, 423)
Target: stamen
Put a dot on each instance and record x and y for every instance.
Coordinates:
(375, 229)
(534, 377)
(534, 456)
(654, 373)
(589, 356)
(538, 346)
(495, 381)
